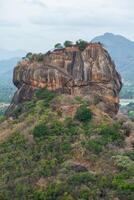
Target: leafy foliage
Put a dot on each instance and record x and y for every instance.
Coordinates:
(82, 178)
(95, 146)
(82, 44)
(41, 130)
(68, 43)
(56, 158)
(58, 46)
(46, 95)
(35, 57)
(83, 114)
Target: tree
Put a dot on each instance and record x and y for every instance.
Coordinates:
(83, 114)
(82, 44)
(58, 46)
(68, 43)
(29, 55)
(40, 57)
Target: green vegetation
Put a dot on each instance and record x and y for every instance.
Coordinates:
(58, 46)
(95, 146)
(83, 114)
(46, 95)
(34, 57)
(106, 135)
(82, 178)
(82, 44)
(40, 130)
(123, 180)
(49, 157)
(2, 119)
(68, 43)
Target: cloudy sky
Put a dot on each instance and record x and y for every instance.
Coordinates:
(36, 25)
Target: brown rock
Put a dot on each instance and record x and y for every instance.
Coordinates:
(89, 74)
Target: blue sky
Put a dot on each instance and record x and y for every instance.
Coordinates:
(36, 25)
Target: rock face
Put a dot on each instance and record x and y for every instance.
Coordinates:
(90, 74)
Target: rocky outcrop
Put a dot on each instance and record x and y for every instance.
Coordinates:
(90, 74)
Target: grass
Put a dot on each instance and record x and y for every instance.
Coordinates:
(57, 143)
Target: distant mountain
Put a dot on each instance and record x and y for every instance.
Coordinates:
(7, 54)
(122, 52)
(6, 66)
(8, 60)
(6, 74)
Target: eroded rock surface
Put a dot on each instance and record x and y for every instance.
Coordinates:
(90, 74)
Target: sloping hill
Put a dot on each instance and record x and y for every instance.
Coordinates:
(122, 51)
(45, 155)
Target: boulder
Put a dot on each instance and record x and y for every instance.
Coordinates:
(90, 73)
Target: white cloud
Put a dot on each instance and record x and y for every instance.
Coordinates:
(35, 2)
(37, 24)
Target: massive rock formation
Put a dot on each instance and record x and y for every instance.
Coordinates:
(90, 73)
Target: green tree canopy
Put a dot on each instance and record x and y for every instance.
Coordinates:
(82, 44)
(58, 46)
(29, 55)
(68, 43)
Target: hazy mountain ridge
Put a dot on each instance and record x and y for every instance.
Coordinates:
(7, 66)
(7, 54)
(122, 52)
(8, 60)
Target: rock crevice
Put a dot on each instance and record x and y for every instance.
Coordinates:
(90, 74)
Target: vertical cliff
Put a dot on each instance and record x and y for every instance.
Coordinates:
(90, 74)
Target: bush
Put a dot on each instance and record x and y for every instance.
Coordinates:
(82, 44)
(29, 55)
(111, 133)
(45, 94)
(48, 167)
(121, 183)
(68, 43)
(124, 163)
(52, 192)
(130, 154)
(41, 130)
(58, 46)
(39, 57)
(71, 127)
(35, 57)
(82, 178)
(2, 119)
(83, 114)
(56, 128)
(17, 111)
(84, 194)
(94, 145)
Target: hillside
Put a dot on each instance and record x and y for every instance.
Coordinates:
(61, 138)
(45, 155)
(121, 50)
